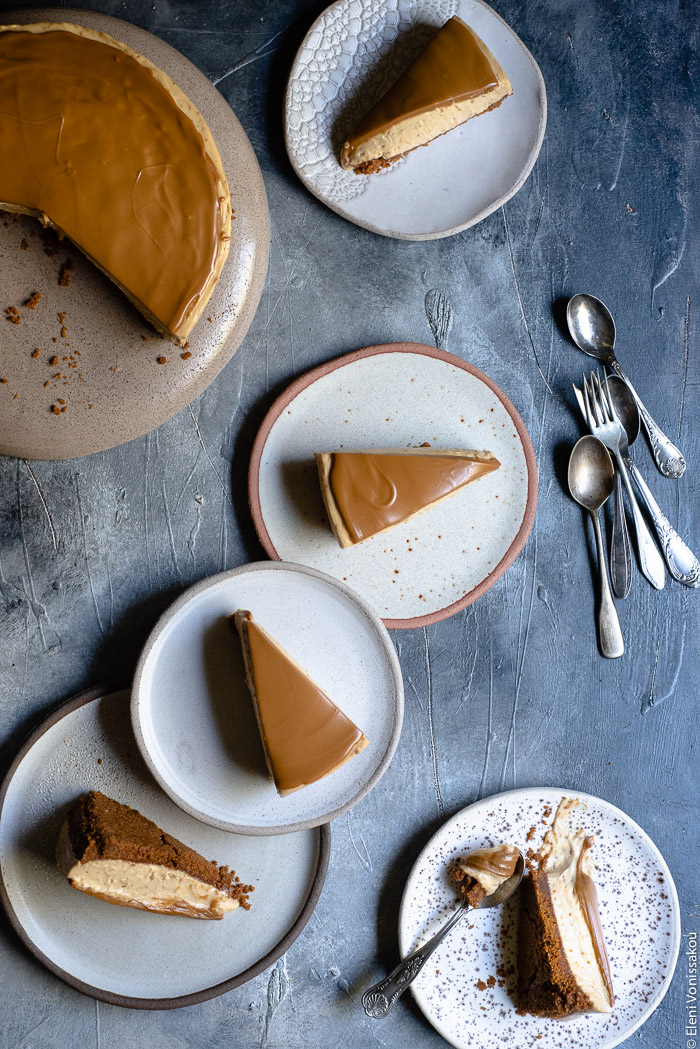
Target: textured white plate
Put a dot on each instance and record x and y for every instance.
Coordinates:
(192, 711)
(393, 397)
(113, 953)
(639, 912)
(350, 56)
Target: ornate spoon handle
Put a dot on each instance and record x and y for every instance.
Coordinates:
(682, 562)
(668, 458)
(620, 553)
(379, 999)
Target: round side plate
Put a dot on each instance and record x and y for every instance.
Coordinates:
(115, 954)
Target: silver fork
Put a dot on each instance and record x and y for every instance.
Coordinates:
(605, 425)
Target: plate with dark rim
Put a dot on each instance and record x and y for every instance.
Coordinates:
(116, 954)
(193, 716)
(468, 992)
(397, 396)
(107, 368)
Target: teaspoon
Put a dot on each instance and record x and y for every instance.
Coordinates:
(593, 330)
(380, 999)
(591, 480)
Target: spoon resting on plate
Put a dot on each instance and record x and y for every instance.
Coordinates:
(491, 876)
(593, 330)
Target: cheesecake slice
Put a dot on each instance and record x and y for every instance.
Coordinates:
(304, 734)
(366, 493)
(563, 965)
(109, 850)
(102, 146)
(485, 870)
(454, 78)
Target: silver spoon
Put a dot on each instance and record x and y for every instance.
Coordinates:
(379, 1000)
(591, 480)
(593, 330)
(682, 562)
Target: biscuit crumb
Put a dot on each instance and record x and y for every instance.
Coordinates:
(12, 314)
(162, 360)
(186, 356)
(36, 352)
(33, 300)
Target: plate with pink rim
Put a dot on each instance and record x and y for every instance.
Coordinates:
(397, 396)
(468, 989)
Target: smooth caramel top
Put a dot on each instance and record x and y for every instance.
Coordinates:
(306, 734)
(453, 66)
(375, 490)
(93, 139)
(500, 861)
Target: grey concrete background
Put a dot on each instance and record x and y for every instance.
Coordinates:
(509, 693)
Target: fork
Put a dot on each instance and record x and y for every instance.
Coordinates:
(605, 425)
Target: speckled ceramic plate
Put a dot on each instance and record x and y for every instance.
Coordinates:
(113, 387)
(193, 715)
(467, 989)
(130, 957)
(353, 52)
(396, 396)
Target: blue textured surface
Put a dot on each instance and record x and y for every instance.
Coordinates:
(509, 693)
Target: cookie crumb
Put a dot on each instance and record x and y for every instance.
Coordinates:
(186, 356)
(53, 362)
(162, 360)
(13, 315)
(33, 300)
(36, 352)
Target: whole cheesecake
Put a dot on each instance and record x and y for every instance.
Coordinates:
(109, 850)
(563, 965)
(454, 78)
(367, 493)
(102, 146)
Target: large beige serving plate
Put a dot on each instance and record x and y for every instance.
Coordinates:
(116, 367)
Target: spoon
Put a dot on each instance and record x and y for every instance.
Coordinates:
(380, 999)
(591, 480)
(682, 562)
(593, 330)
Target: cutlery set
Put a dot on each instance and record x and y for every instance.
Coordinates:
(613, 412)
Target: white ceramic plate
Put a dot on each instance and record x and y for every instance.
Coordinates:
(639, 911)
(392, 397)
(123, 956)
(350, 56)
(193, 715)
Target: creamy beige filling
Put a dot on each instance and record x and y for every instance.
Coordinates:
(150, 885)
(561, 852)
(417, 130)
(486, 879)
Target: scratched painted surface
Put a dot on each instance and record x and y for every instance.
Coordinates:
(510, 692)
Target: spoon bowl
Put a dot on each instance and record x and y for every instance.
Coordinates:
(591, 473)
(506, 890)
(591, 326)
(625, 406)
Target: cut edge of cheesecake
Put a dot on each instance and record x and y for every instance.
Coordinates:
(240, 621)
(563, 967)
(138, 865)
(324, 461)
(186, 106)
(405, 133)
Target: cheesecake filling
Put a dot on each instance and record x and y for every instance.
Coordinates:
(149, 886)
(490, 867)
(566, 860)
(375, 490)
(94, 144)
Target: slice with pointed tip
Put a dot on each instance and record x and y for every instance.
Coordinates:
(304, 734)
(366, 493)
(454, 78)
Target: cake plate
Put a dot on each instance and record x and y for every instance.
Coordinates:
(397, 396)
(350, 56)
(468, 991)
(112, 383)
(119, 955)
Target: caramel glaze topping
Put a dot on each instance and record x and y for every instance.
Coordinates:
(90, 138)
(306, 734)
(499, 861)
(376, 490)
(587, 895)
(452, 67)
